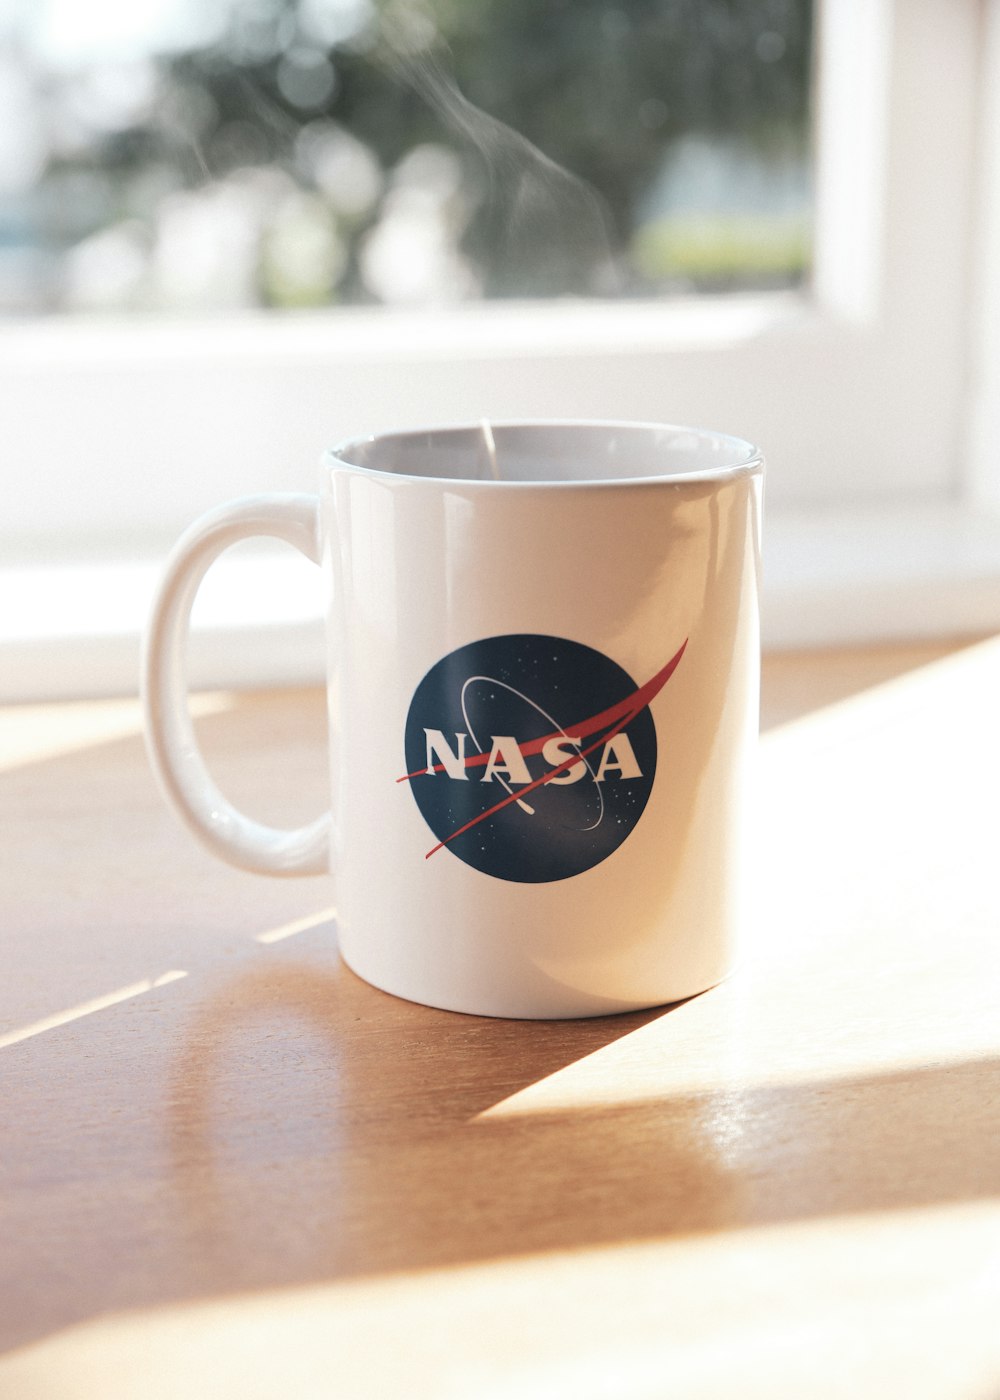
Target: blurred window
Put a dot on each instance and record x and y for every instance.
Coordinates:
(500, 203)
(172, 155)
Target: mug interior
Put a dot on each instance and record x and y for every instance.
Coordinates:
(551, 452)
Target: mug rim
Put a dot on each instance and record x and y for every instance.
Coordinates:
(751, 457)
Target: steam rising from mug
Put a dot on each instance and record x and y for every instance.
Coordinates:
(551, 227)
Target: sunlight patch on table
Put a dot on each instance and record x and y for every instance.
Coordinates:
(710, 1049)
(37, 733)
(892, 1303)
(87, 1008)
(289, 930)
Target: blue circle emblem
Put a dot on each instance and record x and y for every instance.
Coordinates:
(531, 758)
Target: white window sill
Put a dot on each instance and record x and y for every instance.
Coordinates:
(873, 575)
(880, 574)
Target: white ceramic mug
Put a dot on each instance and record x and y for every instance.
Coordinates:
(543, 677)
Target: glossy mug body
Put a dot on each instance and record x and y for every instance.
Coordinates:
(543, 681)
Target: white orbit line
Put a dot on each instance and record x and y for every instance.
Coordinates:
(491, 680)
(524, 806)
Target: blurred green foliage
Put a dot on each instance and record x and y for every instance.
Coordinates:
(561, 116)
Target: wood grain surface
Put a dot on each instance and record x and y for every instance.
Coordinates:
(231, 1169)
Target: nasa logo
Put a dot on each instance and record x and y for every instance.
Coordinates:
(531, 758)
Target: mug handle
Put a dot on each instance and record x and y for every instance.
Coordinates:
(173, 749)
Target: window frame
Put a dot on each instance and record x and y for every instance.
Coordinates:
(874, 394)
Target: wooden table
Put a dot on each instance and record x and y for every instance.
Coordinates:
(231, 1169)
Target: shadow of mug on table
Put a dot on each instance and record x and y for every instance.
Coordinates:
(321, 1129)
